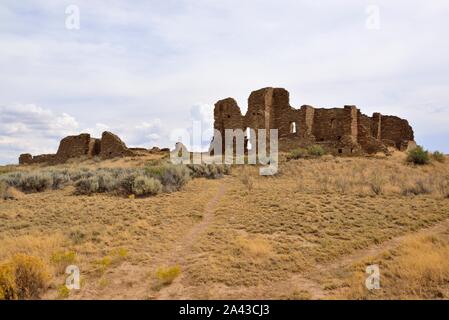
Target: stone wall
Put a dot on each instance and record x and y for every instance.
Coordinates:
(112, 146)
(72, 147)
(341, 130)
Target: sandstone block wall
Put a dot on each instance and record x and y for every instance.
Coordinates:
(73, 147)
(341, 130)
(109, 146)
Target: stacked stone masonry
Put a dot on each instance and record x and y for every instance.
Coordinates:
(109, 146)
(339, 130)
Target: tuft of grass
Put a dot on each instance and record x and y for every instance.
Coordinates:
(376, 184)
(247, 180)
(63, 292)
(418, 156)
(166, 275)
(122, 253)
(104, 264)
(62, 259)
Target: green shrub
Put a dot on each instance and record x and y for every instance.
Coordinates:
(438, 156)
(316, 150)
(166, 276)
(297, 154)
(87, 186)
(173, 177)
(145, 186)
(418, 156)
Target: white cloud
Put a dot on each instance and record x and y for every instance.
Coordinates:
(29, 128)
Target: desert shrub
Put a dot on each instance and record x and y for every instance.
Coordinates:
(209, 171)
(37, 181)
(87, 186)
(107, 182)
(173, 177)
(297, 153)
(316, 150)
(418, 156)
(59, 179)
(438, 156)
(145, 186)
(23, 277)
(166, 275)
(8, 289)
(76, 175)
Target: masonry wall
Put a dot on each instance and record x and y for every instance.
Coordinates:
(73, 147)
(341, 130)
(109, 146)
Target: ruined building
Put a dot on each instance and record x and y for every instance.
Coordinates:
(339, 130)
(109, 146)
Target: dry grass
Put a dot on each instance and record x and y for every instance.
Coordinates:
(417, 269)
(267, 237)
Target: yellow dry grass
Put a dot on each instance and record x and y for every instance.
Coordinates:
(287, 236)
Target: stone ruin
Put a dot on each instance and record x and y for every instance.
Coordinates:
(83, 145)
(342, 131)
(338, 130)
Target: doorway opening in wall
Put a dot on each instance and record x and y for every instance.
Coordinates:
(340, 150)
(293, 127)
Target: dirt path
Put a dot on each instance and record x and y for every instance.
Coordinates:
(183, 246)
(316, 289)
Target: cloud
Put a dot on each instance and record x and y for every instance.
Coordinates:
(29, 128)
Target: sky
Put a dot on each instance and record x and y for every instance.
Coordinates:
(146, 70)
